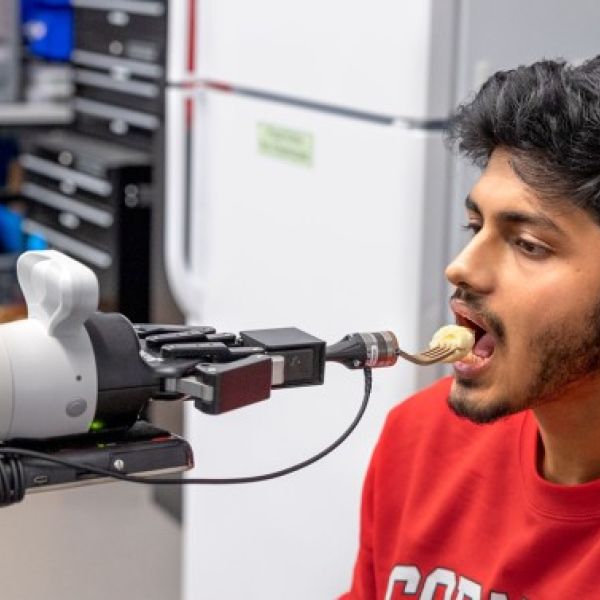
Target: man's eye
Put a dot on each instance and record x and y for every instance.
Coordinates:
(532, 249)
(473, 227)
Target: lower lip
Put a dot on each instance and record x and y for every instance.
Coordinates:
(474, 367)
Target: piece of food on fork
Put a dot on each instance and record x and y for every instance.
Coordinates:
(460, 339)
(449, 343)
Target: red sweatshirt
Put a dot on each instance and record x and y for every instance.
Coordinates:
(457, 511)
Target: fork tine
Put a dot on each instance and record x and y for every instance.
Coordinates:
(431, 359)
(423, 359)
(437, 351)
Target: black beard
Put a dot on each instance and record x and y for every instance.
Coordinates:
(490, 412)
(563, 357)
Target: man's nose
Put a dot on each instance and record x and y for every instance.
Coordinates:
(474, 267)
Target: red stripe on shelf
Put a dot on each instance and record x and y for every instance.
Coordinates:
(191, 58)
(217, 85)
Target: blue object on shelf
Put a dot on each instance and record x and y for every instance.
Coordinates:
(28, 6)
(49, 31)
(11, 237)
(63, 3)
(35, 242)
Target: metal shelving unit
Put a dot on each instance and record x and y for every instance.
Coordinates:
(34, 113)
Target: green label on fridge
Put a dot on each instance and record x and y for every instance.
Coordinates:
(287, 144)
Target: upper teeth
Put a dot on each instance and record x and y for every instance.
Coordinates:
(460, 338)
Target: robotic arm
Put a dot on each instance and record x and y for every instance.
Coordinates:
(73, 381)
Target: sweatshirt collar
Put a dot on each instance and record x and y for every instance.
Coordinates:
(563, 502)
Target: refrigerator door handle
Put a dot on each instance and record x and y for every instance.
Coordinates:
(181, 137)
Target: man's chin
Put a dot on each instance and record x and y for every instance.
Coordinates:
(467, 402)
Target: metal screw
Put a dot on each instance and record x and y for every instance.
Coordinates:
(131, 201)
(115, 47)
(119, 127)
(67, 187)
(119, 464)
(356, 363)
(65, 158)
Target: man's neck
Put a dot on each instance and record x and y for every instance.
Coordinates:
(570, 435)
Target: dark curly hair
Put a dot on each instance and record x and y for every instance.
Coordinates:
(547, 115)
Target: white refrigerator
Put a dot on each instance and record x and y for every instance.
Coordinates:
(307, 184)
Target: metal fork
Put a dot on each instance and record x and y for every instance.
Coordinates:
(427, 357)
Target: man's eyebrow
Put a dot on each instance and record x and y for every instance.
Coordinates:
(517, 217)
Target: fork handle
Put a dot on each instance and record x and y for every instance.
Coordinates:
(359, 350)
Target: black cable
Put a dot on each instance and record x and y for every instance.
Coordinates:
(10, 454)
(12, 480)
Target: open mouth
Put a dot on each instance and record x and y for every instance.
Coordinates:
(485, 342)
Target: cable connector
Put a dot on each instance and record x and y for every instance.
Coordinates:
(359, 350)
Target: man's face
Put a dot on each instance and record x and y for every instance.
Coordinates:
(528, 282)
